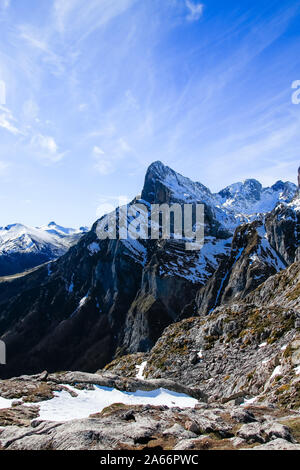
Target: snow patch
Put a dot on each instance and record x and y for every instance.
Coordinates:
(64, 407)
(250, 401)
(277, 371)
(140, 370)
(5, 403)
(94, 248)
(297, 370)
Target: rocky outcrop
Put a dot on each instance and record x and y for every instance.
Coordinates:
(138, 427)
(236, 354)
(241, 351)
(282, 289)
(146, 427)
(283, 231)
(252, 260)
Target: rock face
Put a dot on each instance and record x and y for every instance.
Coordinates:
(106, 298)
(283, 231)
(252, 260)
(244, 350)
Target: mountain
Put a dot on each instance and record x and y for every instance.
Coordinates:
(192, 349)
(246, 349)
(24, 247)
(106, 298)
(249, 198)
(236, 204)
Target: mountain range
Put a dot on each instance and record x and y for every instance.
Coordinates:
(105, 298)
(134, 344)
(24, 247)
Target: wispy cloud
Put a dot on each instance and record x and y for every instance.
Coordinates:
(39, 41)
(46, 149)
(103, 164)
(84, 18)
(195, 10)
(107, 204)
(8, 122)
(3, 167)
(107, 161)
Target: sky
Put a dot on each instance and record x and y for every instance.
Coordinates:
(92, 92)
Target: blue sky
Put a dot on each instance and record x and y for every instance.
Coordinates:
(96, 90)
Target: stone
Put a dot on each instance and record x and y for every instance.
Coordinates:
(237, 441)
(277, 430)
(278, 444)
(242, 416)
(253, 432)
(192, 427)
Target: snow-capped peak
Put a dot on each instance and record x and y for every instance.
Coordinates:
(34, 245)
(235, 204)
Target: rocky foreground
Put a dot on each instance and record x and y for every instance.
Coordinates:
(231, 379)
(205, 426)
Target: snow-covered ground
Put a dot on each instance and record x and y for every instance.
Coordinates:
(5, 403)
(64, 407)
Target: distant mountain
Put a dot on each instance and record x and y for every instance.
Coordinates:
(24, 247)
(250, 198)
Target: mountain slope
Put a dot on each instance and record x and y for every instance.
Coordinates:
(244, 350)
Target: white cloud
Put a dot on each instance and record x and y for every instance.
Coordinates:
(46, 148)
(98, 151)
(108, 204)
(103, 163)
(195, 10)
(106, 162)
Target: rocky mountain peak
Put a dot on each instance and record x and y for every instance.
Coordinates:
(164, 185)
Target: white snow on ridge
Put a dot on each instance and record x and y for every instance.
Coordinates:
(20, 238)
(295, 204)
(197, 267)
(64, 407)
(238, 203)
